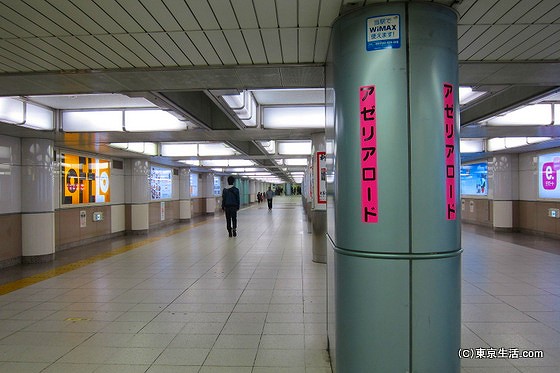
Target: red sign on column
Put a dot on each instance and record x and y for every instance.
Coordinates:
(449, 133)
(321, 177)
(368, 154)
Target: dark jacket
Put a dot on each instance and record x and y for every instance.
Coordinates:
(230, 197)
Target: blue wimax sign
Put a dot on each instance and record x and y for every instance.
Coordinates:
(383, 32)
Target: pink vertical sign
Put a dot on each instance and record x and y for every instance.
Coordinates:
(449, 133)
(368, 154)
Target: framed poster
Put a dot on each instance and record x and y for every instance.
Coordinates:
(85, 179)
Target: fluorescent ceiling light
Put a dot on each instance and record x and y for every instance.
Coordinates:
(179, 150)
(191, 162)
(466, 95)
(294, 147)
(240, 162)
(92, 121)
(255, 174)
(152, 120)
(11, 110)
(296, 162)
(245, 169)
(148, 148)
(471, 145)
(294, 117)
(291, 96)
(501, 143)
(227, 162)
(215, 149)
(530, 115)
(39, 118)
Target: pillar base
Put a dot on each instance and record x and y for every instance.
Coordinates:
(37, 259)
(397, 312)
(319, 222)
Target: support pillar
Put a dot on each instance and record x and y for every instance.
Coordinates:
(137, 183)
(396, 239)
(319, 195)
(37, 203)
(185, 208)
(503, 189)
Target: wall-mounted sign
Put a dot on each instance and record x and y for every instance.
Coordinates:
(84, 179)
(368, 154)
(449, 151)
(474, 179)
(160, 182)
(549, 170)
(321, 178)
(217, 186)
(383, 32)
(193, 185)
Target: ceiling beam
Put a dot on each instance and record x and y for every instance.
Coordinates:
(504, 100)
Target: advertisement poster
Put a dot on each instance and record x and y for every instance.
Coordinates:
(160, 182)
(549, 170)
(474, 179)
(217, 186)
(193, 185)
(84, 179)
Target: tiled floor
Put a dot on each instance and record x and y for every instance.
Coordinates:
(511, 299)
(190, 299)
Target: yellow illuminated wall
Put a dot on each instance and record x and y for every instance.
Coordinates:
(85, 180)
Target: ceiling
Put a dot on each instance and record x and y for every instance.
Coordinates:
(182, 55)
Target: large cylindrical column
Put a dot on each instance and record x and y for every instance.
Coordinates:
(37, 202)
(396, 240)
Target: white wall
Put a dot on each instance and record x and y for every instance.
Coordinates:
(528, 176)
(10, 175)
(117, 187)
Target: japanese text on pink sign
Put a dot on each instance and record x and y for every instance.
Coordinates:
(449, 124)
(321, 177)
(368, 154)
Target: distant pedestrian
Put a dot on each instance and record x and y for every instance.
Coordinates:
(269, 195)
(230, 204)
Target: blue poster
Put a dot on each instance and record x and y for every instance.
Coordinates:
(474, 179)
